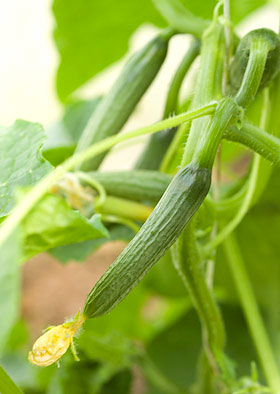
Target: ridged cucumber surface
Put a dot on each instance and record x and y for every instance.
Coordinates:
(136, 185)
(179, 203)
(115, 108)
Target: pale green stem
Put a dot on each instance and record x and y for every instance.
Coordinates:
(252, 313)
(37, 192)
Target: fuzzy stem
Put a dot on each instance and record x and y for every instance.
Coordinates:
(257, 140)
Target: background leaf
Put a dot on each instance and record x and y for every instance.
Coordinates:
(21, 161)
(7, 386)
(62, 137)
(53, 223)
(90, 35)
(81, 250)
(9, 286)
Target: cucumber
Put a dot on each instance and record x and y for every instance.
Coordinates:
(179, 203)
(136, 185)
(239, 63)
(115, 108)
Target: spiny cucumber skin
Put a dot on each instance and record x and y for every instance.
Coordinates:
(179, 203)
(239, 63)
(116, 107)
(136, 185)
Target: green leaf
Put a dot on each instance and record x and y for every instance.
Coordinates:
(258, 238)
(7, 386)
(113, 348)
(87, 377)
(182, 14)
(9, 286)
(53, 223)
(91, 35)
(164, 279)
(21, 162)
(62, 137)
(176, 349)
(81, 250)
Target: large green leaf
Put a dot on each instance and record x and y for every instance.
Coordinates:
(9, 286)
(21, 162)
(90, 35)
(53, 223)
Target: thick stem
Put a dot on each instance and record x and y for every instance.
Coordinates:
(211, 56)
(187, 261)
(252, 313)
(226, 112)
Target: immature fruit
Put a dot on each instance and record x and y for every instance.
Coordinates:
(180, 201)
(115, 108)
(136, 185)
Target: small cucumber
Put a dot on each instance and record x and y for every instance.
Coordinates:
(139, 185)
(239, 63)
(116, 107)
(179, 203)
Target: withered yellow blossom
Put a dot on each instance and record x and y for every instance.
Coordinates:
(54, 343)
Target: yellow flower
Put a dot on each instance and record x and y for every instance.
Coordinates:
(54, 343)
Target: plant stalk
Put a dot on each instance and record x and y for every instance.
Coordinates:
(252, 313)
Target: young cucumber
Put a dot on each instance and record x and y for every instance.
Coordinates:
(115, 108)
(139, 185)
(180, 201)
(239, 63)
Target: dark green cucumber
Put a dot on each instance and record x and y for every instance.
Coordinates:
(116, 107)
(136, 185)
(179, 203)
(239, 63)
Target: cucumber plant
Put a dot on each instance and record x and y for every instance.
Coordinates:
(187, 215)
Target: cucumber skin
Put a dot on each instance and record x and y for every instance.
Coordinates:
(138, 185)
(116, 107)
(179, 203)
(239, 63)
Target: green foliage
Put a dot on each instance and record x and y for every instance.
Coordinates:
(21, 162)
(7, 386)
(82, 53)
(81, 250)
(9, 286)
(53, 223)
(62, 137)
